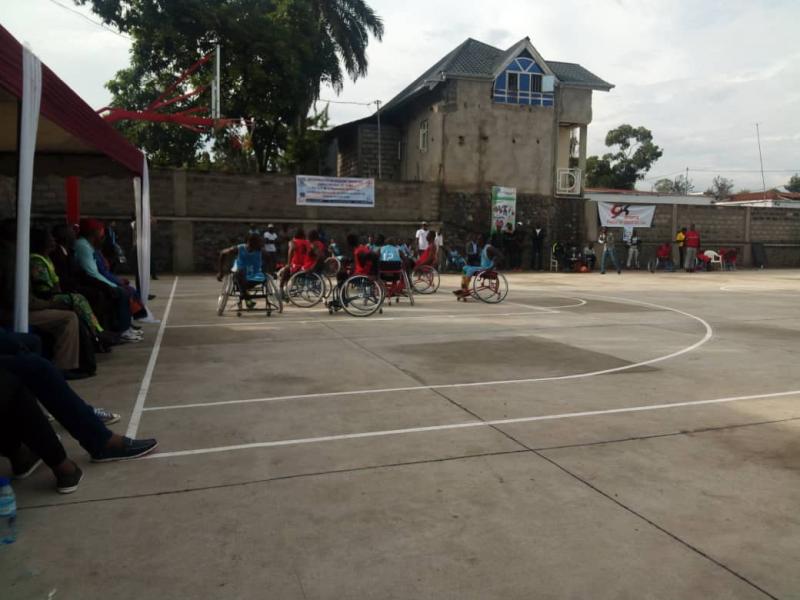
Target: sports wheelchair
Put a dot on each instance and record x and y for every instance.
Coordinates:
(488, 286)
(259, 287)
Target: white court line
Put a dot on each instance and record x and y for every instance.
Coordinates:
(495, 422)
(709, 333)
(539, 310)
(136, 415)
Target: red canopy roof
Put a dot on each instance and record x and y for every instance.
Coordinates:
(74, 126)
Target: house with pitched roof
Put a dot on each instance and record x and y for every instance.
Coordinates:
(480, 116)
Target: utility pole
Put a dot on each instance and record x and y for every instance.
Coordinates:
(686, 183)
(217, 91)
(761, 158)
(380, 158)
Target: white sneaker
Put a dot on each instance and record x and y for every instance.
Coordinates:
(129, 337)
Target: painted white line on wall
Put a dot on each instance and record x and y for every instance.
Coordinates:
(136, 415)
(495, 422)
(709, 333)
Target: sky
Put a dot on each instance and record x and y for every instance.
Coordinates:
(698, 73)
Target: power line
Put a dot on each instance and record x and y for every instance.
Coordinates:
(92, 21)
(348, 102)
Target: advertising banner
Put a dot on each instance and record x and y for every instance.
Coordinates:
(335, 191)
(504, 208)
(626, 215)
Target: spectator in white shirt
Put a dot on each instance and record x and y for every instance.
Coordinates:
(270, 248)
(441, 256)
(422, 238)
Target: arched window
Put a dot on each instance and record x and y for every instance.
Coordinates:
(522, 82)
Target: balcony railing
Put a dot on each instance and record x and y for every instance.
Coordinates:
(568, 182)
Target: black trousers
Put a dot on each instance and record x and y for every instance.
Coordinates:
(537, 258)
(22, 422)
(45, 382)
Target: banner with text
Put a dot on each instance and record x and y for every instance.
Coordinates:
(504, 208)
(626, 215)
(335, 191)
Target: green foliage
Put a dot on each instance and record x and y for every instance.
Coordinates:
(794, 183)
(276, 55)
(721, 188)
(304, 152)
(681, 186)
(633, 154)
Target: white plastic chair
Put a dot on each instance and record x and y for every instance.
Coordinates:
(716, 258)
(553, 263)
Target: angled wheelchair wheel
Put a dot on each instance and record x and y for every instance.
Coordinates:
(273, 296)
(224, 294)
(409, 289)
(305, 290)
(490, 287)
(425, 280)
(331, 266)
(362, 296)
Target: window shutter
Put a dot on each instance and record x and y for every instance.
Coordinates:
(548, 84)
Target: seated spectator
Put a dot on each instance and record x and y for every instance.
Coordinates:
(85, 247)
(664, 257)
(45, 382)
(45, 285)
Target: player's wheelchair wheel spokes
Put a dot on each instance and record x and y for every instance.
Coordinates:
(273, 296)
(490, 286)
(225, 293)
(331, 266)
(305, 289)
(425, 280)
(362, 296)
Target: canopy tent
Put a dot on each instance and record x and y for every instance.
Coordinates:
(40, 114)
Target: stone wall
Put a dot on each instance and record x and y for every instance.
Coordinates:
(199, 213)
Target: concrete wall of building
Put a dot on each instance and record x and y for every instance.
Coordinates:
(418, 164)
(574, 105)
(390, 138)
(492, 144)
(562, 152)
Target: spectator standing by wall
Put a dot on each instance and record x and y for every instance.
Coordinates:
(421, 238)
(537, 257)
(270, 248)
(607, 243)
(692, 245)
(472, 251)
(679, 256)
(633, 249)
(441, 255)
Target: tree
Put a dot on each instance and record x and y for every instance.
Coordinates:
(632, 158)
(681, 186)
(794, 183)
(276, 56)
(721, 188)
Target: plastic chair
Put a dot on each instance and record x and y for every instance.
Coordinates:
(553, 263)
(716, 259)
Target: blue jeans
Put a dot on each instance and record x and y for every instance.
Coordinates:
(608, 252)
(45, 381)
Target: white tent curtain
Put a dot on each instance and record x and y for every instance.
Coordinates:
(29, 125)
(141, 190)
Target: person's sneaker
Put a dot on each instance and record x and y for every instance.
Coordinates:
(25, 463)
(106, 416)
(66, 484)
(130, 337)
(130, 449)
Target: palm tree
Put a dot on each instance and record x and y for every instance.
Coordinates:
(345, 26)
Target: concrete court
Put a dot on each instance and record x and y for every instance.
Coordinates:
(442, 485)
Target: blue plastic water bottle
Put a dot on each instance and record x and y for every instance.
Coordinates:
(8, 512)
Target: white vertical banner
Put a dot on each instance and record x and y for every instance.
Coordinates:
(141, 190)
(29, 125)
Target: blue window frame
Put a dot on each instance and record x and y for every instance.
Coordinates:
(521, 83)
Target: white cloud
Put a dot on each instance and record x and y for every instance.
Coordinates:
(698, 73)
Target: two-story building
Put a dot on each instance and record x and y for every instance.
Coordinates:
(480, 116)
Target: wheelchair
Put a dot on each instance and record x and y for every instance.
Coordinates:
(259, 289)
(425, 279)
(395, 282)
(306, 289)
(358, 296)
(488, 286)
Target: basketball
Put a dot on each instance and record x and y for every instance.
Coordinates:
(584, 269)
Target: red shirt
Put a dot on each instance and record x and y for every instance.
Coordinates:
(311, 261)
(692, 239)
(362, 256)
(300, 253)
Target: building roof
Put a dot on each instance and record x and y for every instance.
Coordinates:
(474, 59)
